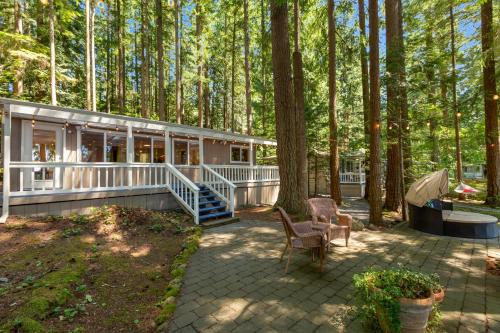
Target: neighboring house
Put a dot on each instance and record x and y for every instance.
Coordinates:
(474, 171)
(58, 161)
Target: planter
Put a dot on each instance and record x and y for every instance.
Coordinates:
(439, 295)
(414, 314)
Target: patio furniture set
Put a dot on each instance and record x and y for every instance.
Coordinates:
(316, 235)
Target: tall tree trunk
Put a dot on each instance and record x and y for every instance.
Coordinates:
(206, 96)
(490, 106)
(161, 62)
(18, 29)
(431, 89)
(120, 72)
(181, 65)
(248, 94)
(403, 101)
(225, 116)
(365, 88)
(108, 62)
(144, 60)
(52, 34)
(263, 10)
(332, 106)
(233, 69)
(288, 196)
(88, 54)
(298, 85)
(92, 54)
(456, 114)
(375, 170)
(393, 176)
(199, 29)
(178, 114)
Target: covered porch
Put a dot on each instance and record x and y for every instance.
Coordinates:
(55, 154)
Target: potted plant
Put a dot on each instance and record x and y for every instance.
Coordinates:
(396, 300)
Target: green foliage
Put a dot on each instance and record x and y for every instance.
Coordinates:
(69, 232)
(379, 292)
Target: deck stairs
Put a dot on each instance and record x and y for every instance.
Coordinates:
(211, 206)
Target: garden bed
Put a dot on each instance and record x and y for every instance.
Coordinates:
(106, 272)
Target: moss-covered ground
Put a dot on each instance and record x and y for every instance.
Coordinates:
(115, 270)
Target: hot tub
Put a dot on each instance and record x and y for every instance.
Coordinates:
(469, 224)
(439, 218)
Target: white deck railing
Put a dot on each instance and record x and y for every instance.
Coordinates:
(44, 178)
(219, 185)
(246, 173)
(352, 178)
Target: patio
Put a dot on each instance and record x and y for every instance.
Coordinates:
(235, 282)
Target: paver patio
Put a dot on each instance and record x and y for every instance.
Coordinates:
(236, 283)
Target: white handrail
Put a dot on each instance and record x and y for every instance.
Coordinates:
(247, 173)
(184, 190)
(219, 185)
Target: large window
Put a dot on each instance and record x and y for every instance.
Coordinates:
(44, 150)
(92, 147)
(142, 149)
(186, 152)
(159, 150)
(116, 148)
(240, 154)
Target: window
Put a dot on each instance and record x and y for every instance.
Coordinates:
(240, 154)
(142, 149)
(186, 152)
(116, 148)
(158, 150)
(44, 150)
(92, 147)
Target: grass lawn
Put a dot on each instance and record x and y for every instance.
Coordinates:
(106, 272)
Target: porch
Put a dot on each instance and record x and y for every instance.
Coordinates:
(56, 155)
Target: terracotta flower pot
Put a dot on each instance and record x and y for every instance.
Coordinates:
(414, 314)
(439, 295)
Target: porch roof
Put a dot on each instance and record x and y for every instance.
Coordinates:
(60, 114)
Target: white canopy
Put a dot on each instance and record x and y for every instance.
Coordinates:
(431, 186)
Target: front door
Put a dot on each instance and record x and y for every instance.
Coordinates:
(42, 142)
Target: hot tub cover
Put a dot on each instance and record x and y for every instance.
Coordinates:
(431, 186)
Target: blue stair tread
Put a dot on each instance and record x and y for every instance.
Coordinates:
(215, 215)
(207, 196)
(209, 209)
(212, 202)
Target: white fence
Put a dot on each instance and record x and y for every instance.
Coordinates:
(352, 178)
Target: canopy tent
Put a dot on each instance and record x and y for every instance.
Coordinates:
(431, 186)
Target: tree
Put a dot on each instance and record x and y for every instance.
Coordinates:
(393, 62)
(288, 196)
(121, 80)
(298, 85)
(332, 91)
(248, 94)
(52, 33)
(144, 60)
(178, 78)
(199, 30)
(375, 172)
(18, 28)
(233, 70)
(456, 114)
(364, 85)
(88, 53)
(490, 105)
(161, 62)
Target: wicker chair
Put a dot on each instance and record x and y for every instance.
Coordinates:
(302, 236)
(323, 210)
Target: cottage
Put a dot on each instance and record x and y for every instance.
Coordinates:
(58, 161)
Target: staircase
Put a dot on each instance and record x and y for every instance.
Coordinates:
(211, 206)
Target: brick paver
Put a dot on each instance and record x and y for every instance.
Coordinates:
(236, 283)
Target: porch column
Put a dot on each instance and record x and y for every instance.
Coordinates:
(130, 152)
(201, 155)
(250, 158)
(6, 163)
(168, 147)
